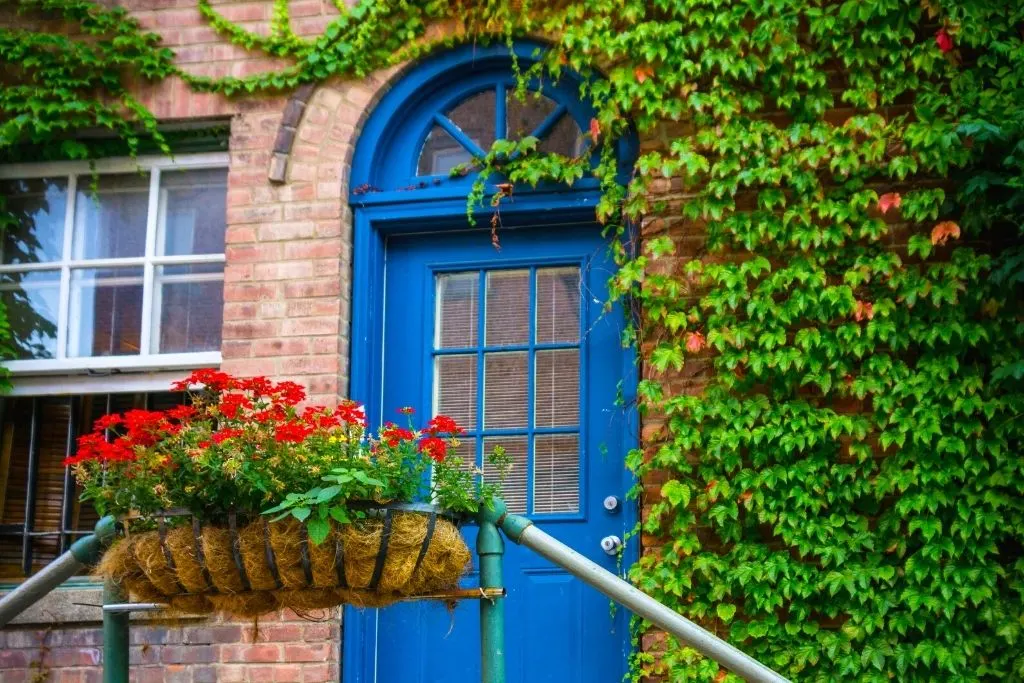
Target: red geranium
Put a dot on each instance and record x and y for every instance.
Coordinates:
(393, 435)
(232, 404)
(291, 432)
(434, 447)
(351, 413)
(222, 435)
(442, 424)
(211, 379)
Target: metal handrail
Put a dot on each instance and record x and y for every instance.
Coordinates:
(522, 531)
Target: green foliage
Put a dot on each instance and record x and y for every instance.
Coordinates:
(831, 209)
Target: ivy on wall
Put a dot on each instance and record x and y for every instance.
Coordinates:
(825, 230)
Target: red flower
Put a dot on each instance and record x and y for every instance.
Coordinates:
(317, 417)
(351, 413)
(259, 386)
(290, 393)
(406, 410)
(182, 412)
(271, 414)
(944, 40)
(107, 422)
(392, 435)
(436, 448)
(223, 435)
(291, 432)
(442, 424)
(209, 378)
(232, 404)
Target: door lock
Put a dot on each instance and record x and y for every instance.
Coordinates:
(611, 503)
(611, 544)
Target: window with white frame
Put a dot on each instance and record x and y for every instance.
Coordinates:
(118, 269)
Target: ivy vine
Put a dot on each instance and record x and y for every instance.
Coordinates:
(821, 246)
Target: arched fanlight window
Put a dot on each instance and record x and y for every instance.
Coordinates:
(468, 129)
(449, 109)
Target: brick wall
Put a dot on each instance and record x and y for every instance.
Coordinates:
(282, 648)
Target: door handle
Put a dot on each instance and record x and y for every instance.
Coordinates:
(611, 544)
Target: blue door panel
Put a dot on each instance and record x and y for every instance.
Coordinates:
(557, 629)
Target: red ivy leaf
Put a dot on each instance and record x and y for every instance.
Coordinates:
(863, 310)
(595, 130)
(695, 342)
(642, 73)
(890, 200)
(944, 40)
(943, 231)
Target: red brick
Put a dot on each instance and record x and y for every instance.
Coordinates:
(260, 652)
(294, 346)
(307, 652)
(302, 290)
(319, 249)
(309, 326)
(286, 231)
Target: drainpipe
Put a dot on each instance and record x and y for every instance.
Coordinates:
(82, 553)
(523, 532)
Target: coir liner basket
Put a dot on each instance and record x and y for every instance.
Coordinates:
(246, 568)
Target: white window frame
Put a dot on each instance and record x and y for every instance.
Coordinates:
(75, 172)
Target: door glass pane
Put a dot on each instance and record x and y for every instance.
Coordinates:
(32, 300)
(524, 116)
(556, 473)
(193, 211)
(190, 306)
(112, 222)
(558, 305)
(456, 321)
(38, 207)
(106, 312)
(455, 388)
(514, 486)
(508, 307)
(475, 117)
(565, 138)
(441, 153)
(505, 376)
(556, 388)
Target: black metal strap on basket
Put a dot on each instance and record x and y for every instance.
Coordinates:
(339, 563)
(236, 551)
(268, 551)
(382, 554)
(200, 558)
(161, 529)
(307, 571)
(427, 538)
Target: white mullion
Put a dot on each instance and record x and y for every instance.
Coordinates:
(64, 307)
(146, 334)
(188, 259)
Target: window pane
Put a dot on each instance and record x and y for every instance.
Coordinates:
(505, 390)
(514, 487)
(556, 473)
(112, 222)
(190, 308)
(441, 153)
(456, 315)
(558, 305)
(557, 388)
(38, 206)
(524, 117)
(474, 117)
(455, 388)
(32, 300)
(106, 312)
(508, 307)
(193, 211)
(565, 139)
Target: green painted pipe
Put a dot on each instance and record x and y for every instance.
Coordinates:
(115, 636)
(83, 552)
(490, 546)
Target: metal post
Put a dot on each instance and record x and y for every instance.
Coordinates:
(83, 552)
(522, 531)
(490, 546)
(115, 636)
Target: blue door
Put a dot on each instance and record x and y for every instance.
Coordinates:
(515, 345)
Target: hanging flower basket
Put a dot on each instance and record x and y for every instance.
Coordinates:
(248, 568)
(241, 502)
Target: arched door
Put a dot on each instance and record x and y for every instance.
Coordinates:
(514, 343)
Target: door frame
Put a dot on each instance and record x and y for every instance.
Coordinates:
(374, 219)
